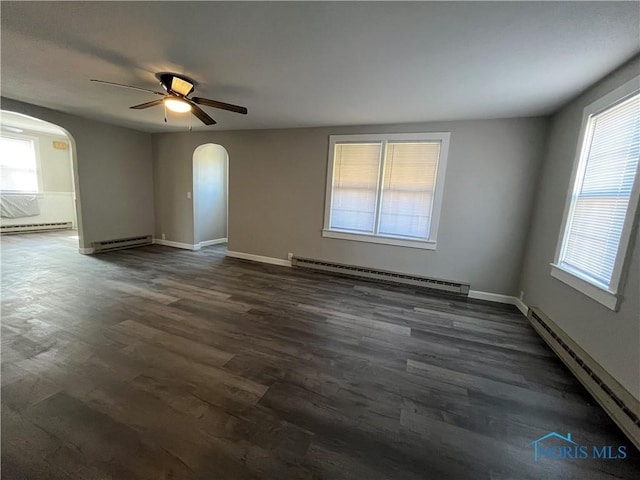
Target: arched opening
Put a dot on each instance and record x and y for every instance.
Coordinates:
(39, 177)
(210, 195)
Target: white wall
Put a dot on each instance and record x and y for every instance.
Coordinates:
(54, 207)
(56, 198)
(611, 338)
(277, 182)
(210, 193)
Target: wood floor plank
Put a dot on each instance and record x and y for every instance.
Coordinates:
(101, 438)
(173, 343)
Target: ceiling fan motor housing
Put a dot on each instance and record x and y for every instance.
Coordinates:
(176, 83)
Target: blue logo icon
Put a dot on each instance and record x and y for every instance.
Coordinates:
(564, 447)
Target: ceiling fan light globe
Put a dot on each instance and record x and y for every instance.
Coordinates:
(177, 105)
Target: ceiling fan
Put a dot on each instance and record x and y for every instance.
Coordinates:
(176, 97)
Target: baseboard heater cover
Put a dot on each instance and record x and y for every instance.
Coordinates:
(617, 402)
(107, 245)
(35, 227)
(381, 275)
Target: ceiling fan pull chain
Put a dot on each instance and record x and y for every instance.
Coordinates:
(190, 129)
(165, 112)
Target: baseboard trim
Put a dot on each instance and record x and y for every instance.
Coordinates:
(491, 297)
(169, 243)
(259, 258)
(188, 246)
(217, 241)
(499, 298)
(86, 251)
(521, 306)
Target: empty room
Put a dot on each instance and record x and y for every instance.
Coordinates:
(320, 240)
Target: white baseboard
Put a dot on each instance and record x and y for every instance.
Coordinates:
(217, 241)
(498, 298)
(86, 251)
(521, 306)
(491, 297)
(188, 246)
(259, 258)
(169, 243)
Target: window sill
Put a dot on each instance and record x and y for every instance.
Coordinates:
(363, 237)
(599, 294)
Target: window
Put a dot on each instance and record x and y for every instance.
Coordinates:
(18, 165)
(386, 188)
(603, 198)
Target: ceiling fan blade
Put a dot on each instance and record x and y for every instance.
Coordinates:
(148, 104)
(198, 112)
(129, 86)
(221, 105)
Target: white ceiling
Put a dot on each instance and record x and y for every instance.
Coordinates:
(299, 64)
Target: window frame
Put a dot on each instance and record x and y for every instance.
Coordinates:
(607, 296)
(438, 193)
(36, 150)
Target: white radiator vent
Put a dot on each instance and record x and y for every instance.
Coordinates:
(35, 227)
(614, 399)
(381, 275)
(107, 245)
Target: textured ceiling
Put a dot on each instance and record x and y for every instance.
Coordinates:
(299, 64)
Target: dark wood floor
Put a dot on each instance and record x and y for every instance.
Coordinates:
(157, 363)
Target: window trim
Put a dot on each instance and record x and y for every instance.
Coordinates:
(36, 150)
(428, 243)
(607, 296)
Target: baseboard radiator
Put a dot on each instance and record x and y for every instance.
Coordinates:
(381, 275)
(108, 245)
(619, 404)
(35, 227)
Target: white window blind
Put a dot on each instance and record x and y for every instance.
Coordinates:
(602, 192)
(386, 188)
(355, 186)
(18, 166)
(407, 189)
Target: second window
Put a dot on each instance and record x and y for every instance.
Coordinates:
(386, 188)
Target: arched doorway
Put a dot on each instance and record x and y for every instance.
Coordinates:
(210, 194)
(39, 185)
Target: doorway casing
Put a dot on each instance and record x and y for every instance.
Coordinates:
(74, 170)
